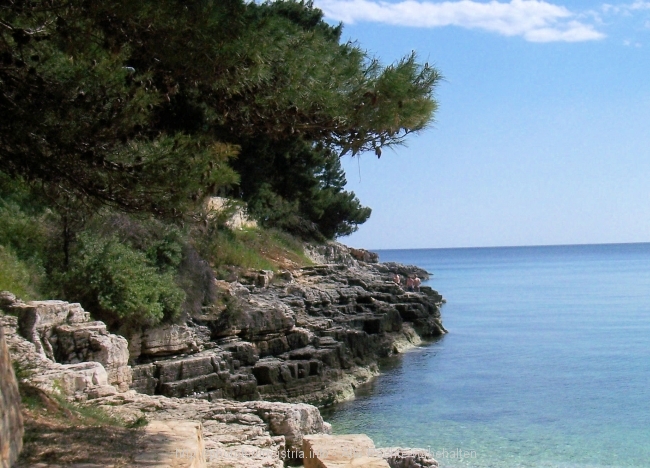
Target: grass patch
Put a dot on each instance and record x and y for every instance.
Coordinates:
(255, 248)
(57, 407)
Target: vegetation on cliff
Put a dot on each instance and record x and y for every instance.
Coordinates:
(119, 118)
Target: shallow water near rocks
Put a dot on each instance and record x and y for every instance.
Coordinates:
(546, 364)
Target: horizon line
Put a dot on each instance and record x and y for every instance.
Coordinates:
(504, 246)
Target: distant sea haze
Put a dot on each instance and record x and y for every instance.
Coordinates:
(546, 364)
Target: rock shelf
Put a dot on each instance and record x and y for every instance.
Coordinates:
(304, 336)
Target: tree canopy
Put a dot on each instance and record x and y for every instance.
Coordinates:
(150, 106)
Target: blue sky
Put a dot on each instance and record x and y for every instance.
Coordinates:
(542, 133)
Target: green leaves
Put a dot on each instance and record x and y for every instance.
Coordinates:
(298, 187)
(120, 284)
(148, 107)
(82, 116)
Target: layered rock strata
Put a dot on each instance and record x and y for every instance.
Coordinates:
(254, 434)
(79, 381)
(64, 333)
(312, 334)
(309, 335)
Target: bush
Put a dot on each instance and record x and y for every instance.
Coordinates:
(16, 275)
(119, 284)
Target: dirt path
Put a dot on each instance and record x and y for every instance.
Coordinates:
(58, 434)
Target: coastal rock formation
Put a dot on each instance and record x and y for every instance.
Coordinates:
(80, 380)
(252, 434)
(11, 421)
(312, 334)
(64, 333)
(327, 451)
(408, 458)
(364, 255)
(239, 434)
(309, 335)
(162, 341)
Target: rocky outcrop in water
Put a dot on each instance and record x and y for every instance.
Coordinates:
(312, 334)
(307, 335)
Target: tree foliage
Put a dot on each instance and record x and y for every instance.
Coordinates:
(298, 187)
(139, 104)
(147, 107)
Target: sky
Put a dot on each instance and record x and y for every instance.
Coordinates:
(542, 134)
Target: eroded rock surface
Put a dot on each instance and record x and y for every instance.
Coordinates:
(80, 380)
(63, 332)
(11, 421)
(251, 434)
(309, 335)
(315, 333)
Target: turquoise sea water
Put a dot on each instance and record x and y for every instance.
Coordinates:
(546, 364)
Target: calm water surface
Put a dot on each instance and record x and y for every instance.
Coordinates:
(547, 363)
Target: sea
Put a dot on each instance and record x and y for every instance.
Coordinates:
(546, 363)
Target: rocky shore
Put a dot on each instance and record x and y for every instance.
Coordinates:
(244, 371)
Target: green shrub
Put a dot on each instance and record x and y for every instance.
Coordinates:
(25, 223)
(163, 243)
(169, 249)
(119, 284)
(16, 275)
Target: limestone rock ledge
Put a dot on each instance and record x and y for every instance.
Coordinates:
(254, 434)
(63, 333)
(358, 451)
(79, 381)
(309, 335)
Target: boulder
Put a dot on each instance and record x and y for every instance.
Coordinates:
(364, 255)
(167, 340)
(329, 253)
(83, 342)
(264, 278)
(64, 333)
(341, 451)
(254, 318)
(37, 319)
(293, 421)
(246, 353)
(407, 457)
